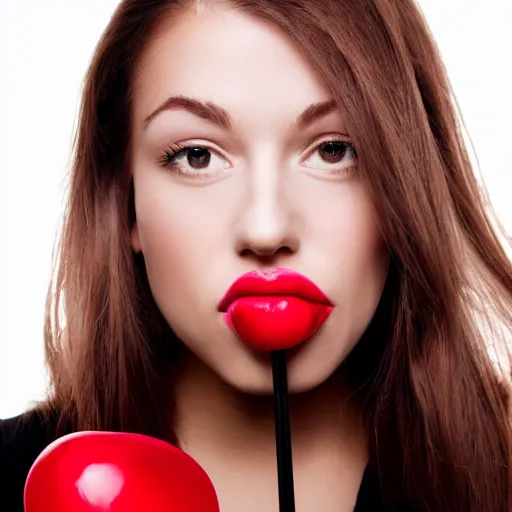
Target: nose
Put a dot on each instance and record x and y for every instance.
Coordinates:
(267, 225)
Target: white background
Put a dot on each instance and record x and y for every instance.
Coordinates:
(45, 48)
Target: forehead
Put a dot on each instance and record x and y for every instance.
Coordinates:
(227, 57)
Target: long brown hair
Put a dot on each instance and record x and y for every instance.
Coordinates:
(437, 414)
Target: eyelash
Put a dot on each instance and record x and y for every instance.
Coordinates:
(171, 153)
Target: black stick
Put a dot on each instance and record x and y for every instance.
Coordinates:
(283, 438)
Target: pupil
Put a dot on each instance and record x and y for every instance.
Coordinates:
(332, 152)
(198, 157)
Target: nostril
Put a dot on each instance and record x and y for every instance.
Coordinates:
(268, 254)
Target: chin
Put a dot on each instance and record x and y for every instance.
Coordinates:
(297, 383)
(302, 378)
(254, 377)
(249, 377)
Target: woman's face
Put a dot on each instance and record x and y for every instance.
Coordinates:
(262, 187)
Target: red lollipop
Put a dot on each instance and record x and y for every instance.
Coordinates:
(117, 472)
(275, 309)
(275, 323)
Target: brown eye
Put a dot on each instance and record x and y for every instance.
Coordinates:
(198, 158)
(332, 155)
(333, 152)
(193, 161)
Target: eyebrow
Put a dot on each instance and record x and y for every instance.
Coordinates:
(219, 116)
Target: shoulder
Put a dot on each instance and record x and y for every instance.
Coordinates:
(22, 439)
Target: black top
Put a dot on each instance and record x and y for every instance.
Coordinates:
(24, 437)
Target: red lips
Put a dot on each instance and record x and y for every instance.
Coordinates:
(275, 309)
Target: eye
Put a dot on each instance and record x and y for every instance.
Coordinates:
(193, 161)
(332, 155)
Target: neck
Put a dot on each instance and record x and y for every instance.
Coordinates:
(229, 432)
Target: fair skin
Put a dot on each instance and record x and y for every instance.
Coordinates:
(270, 196)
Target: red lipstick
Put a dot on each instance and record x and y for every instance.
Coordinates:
(274, 309)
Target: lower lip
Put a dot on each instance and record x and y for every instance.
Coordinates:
(275, 322)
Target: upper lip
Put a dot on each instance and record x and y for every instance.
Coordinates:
(274, 282)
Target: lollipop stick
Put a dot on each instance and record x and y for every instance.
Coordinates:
(283, 438)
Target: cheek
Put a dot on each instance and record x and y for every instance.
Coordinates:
(177, 236)
(167, 247)
(360, 241)
(347, 230)
(353, 248)
(364, 260)
(363, 252)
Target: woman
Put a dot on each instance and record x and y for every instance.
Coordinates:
(217, 138)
